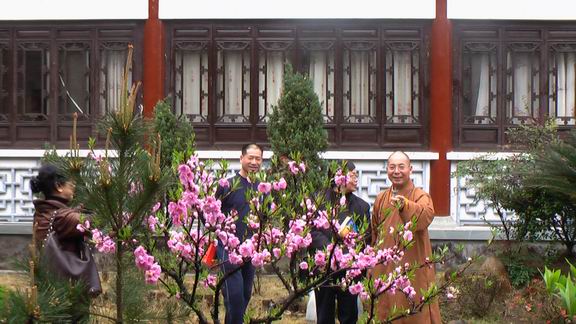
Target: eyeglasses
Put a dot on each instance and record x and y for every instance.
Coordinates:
(400, 167)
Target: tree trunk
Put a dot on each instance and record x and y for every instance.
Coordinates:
(119, 284)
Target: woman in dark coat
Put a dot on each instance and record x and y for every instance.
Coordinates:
(58, 192)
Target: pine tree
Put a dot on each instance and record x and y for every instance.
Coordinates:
(296, 125)
(120, 188)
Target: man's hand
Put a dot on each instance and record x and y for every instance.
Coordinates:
(398, 201)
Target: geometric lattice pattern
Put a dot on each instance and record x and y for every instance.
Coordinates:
(465, 207)
(16, 197)
(15, 194)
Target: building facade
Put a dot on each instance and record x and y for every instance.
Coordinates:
(440, 79)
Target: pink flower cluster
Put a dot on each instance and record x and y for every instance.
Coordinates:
(296, 168)
(340, 179)
(279, 185)
(210, 281)
(103, 243)
(186, 246)
(145, 262)
(197, 221)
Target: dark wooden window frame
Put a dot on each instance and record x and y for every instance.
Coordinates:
(503, 34)
(348, 136)
(56, 129)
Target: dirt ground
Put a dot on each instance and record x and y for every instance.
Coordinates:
(526, 305)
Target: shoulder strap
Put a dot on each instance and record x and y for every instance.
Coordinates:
(51, 228)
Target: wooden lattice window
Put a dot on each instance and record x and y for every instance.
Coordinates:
(479, 83)
(33, 81)
(4, 83)
(522, 83)
(273, 57)
(191, 80)
(402, 71)
(113, 56)
(359, 90)
(74, 80)
(233, 84)
(319, 64)
(562, 83)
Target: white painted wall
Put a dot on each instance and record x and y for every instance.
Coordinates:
(297, 9)
(512, 9)
(73, 9)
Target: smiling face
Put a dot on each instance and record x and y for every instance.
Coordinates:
(399, 170)
(352, 183)
(251, 161)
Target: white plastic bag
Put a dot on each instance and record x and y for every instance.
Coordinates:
(311, 307)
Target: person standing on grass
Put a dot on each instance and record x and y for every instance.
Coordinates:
(237, 287)
(405, 202)
(358, 212)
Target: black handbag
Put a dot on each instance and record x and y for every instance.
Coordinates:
(69, 265)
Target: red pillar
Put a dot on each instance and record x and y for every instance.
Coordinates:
(441, 107)
(153, 79)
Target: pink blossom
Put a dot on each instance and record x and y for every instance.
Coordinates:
(177, 211)
(224, 183)
(185, 175)
(193, 161)
(342, 200)
(340, 179)
(103, 243)
(451, 292)
(293, 167)
(409, 291)
(233, 241)
(321, 222)
(142, 259)
(280, 185)
(156, 207)
(356, 289)
(297, 226)
(152, 221)
(320, 259)
(153, 274)
(303, 265)
(83, 227)
(210, 281)
(277, 253)
(407, 236)
(264, 187)
(107, 246)
(246, 249)
(302, 166)
(258, 259)
(235, 259)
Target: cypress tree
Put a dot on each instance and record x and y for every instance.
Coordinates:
(296, 124)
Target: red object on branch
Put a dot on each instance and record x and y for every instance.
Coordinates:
(210, 256)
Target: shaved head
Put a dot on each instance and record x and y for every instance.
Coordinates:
(399, 155)
(399, 169)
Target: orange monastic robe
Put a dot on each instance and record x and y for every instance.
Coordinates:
(419, 204)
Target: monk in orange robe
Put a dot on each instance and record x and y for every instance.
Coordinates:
(405, 202)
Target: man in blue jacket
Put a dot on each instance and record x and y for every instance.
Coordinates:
(237, 288)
